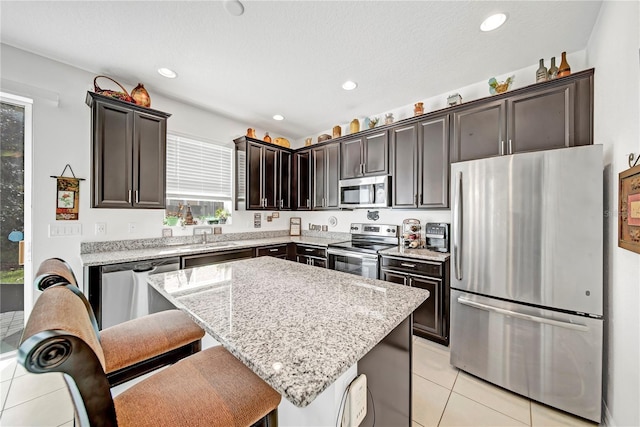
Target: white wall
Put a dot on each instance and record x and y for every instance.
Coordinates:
(62, 134)
(613, 50)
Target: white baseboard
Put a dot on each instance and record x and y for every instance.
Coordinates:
(607, 418)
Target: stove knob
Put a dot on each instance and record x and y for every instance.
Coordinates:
(389, 230)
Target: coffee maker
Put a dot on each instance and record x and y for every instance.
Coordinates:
(437, 236)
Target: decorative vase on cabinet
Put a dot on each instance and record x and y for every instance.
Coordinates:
(564, 69)
(354, 127)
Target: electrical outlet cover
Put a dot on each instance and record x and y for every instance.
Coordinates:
(357, 401)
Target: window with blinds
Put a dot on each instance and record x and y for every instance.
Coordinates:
(198, 170)
(199, 175)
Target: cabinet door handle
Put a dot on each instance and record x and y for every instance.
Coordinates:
(129, 197)
(281, 203)
(308, 250)
(502, 148)
(510, 147)
(323, 202)
(308, 203)
(137, 196)
(361, 168)
(404, 264)
(273, 250)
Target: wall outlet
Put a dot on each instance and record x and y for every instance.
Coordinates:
(356, 407)
(132, 227)
(101, 228)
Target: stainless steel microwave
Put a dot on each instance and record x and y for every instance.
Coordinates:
(369, 192)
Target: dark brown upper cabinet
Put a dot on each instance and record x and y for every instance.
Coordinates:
(285, 187)
(263, 175)
(555, 114)
(325, 162)
(365, 155)
(302, 184)
(420, 164)
(129, 154)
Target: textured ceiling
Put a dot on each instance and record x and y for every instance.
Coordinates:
(291, 57)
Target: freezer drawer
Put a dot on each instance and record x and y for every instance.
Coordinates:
(548, 356)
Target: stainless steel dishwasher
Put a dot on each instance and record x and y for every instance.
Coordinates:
(125, 294)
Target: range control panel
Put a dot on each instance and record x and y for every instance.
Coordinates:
(383, 230)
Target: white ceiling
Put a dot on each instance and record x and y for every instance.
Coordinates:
(291, 57)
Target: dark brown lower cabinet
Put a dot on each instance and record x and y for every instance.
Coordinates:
(311, 255)
(277, 251)
(431, 318)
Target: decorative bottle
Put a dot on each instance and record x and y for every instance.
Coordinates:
(564, 69)
(267, 138)
(251, 133)
(541, 73)
(553, 70)
(418, 108)
(337, 131)
(354, 127)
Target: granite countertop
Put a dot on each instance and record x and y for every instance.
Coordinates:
(129, 255)
(296, 326)
(424, 254)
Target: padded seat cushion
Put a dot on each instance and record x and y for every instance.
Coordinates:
(140, 339)
(210, 388)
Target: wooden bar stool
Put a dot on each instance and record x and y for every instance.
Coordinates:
(209, 388)
(135, 347)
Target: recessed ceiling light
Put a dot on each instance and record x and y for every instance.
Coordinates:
(493, 22)
(278, 117)
(167, 73)
(233, 7)
(349, 85)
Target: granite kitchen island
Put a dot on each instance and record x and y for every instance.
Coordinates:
(306, 331)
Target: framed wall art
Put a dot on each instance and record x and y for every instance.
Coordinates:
(629, 209)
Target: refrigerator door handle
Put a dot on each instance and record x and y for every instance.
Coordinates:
(567, 325)
(457, 229)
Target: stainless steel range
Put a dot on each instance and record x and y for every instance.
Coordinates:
(360, 254)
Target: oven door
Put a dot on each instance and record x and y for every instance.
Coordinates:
(360, 264)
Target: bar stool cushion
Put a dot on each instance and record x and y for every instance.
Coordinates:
(151, 335)
(209, 388)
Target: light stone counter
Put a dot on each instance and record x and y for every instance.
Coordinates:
(129, 255)
(423, 254)
(298, 327)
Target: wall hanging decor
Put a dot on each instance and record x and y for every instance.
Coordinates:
(67, 195)
(629, 209)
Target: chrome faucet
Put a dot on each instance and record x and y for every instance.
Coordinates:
(204, 237)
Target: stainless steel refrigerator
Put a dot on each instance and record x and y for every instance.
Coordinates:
(526, 274)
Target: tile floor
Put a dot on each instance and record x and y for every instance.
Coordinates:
(442, 396)
(11, 324)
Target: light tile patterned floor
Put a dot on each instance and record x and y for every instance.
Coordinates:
(11, 325)
(442, 396)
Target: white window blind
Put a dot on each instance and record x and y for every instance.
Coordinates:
(197, 170)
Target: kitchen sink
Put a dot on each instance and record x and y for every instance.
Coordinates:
(194, 246)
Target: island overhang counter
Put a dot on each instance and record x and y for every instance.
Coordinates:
(300, 328)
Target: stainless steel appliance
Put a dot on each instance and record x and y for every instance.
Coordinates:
(125, 294)
(368, 192)
(360, 254)
(526, 279)
(437, 236)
